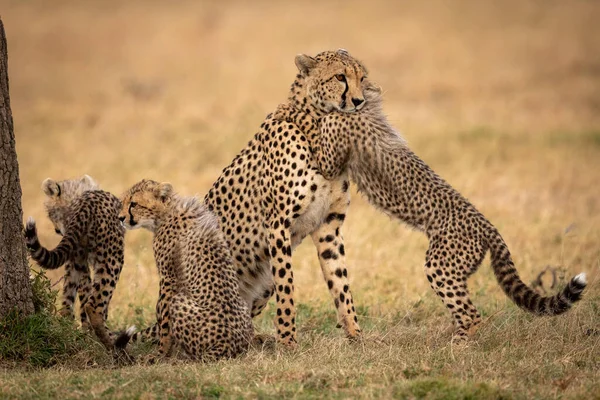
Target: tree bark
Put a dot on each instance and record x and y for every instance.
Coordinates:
(15, 288)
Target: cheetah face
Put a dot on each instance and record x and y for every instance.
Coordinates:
(143, 204)
(60, 195)
(334, 81)
(136, 215)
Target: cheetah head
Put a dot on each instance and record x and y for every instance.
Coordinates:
(60, 195)
(144, 203)
(334, 81)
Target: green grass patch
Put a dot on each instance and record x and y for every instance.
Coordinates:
(40, 340)
(43, 339)
(481, 133)
(442, 389)
(587, 138)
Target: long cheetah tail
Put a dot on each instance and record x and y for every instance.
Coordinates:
(48, 259)
(523, 295)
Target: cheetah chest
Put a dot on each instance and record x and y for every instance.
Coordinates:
(318, 207)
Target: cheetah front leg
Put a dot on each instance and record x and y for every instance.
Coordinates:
(330, 247)
(163, 318)
(280, 246)
(84, 289)
(162, 330)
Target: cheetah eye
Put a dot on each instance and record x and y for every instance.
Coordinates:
(362, 79)
(132, 204)
(340, 77)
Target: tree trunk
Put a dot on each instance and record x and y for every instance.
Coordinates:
(15, 288)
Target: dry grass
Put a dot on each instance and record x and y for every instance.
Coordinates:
(502, 100)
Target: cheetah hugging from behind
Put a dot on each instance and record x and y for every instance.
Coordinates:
(86, 217)
(199, 308)
(399, 183)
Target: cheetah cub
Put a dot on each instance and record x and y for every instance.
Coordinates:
(87, 219)
(199, 307)
(399, 183)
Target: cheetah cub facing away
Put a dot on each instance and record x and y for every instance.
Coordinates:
(199, 306)
(87, 219)
(399, 183)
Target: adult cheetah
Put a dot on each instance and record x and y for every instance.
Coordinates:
(86, 217)
(399, 183)
(273, 195)
(199, 304)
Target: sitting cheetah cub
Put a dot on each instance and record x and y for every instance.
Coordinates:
(87, 218)
(199, 306)
(399, 183)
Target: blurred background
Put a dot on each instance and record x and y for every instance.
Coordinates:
(501, 98)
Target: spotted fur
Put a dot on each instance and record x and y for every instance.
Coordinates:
(273, 195)
(86, 217)
(399, 183)
(199, 307)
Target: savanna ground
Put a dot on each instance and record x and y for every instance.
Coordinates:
(501, 99)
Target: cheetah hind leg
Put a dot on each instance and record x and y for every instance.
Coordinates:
(96, 307)
(84, 289)
(150, 334)
(195, 332)
(190, 328)
(96, 318)
(69, 290)
(453, 292)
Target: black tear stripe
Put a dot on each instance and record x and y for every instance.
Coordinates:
(345, 92)
(131, 220)
(59, 191)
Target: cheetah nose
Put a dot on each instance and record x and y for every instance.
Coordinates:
(357, 102)
(122, 218)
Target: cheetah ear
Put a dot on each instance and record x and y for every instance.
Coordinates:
(305, 63)
(88, 180)
(163, 191)
(51, 188)
(343, 51)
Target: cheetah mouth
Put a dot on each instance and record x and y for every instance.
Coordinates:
(343, 104)
(131, 224)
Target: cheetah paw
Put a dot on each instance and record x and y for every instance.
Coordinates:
(288, 344)
(150, 359)
(284, 113)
